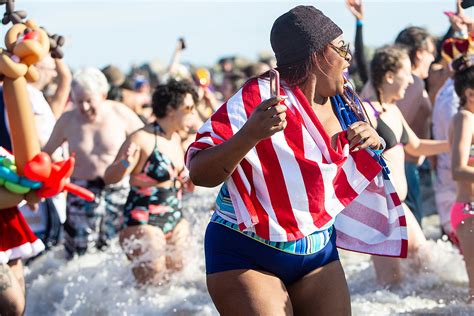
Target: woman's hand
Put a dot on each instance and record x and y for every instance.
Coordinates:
(32, 200)
(210, 98)
(458, 25)
(266, 119)
(185, 181)
(361, 136)
(356, 8)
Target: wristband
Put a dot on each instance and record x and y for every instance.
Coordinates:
(460, 34)
(125, 163)
(378, 152)
(382, 146)
(359, 23)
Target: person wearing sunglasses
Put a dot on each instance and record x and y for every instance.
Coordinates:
(343, 50)
(153, 157)
(290, 165)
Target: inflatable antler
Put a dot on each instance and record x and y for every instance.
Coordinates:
(11, 15)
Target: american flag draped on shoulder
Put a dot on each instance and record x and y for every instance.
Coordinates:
(293, 183)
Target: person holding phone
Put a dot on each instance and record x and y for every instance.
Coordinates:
(295, 168)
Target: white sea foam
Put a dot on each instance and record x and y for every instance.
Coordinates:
(102, 283)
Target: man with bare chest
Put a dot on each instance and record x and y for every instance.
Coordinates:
(94, 131)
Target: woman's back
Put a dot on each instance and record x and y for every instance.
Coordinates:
(464, 118)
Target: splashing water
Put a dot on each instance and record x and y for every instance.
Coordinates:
(102, 283)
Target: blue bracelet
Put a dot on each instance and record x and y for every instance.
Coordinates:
(125, 163)
(460, 34)
(359, 23)
(378, 152)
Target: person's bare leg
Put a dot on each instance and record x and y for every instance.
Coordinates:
(416, 237)
(12, 288)
(248, 292)
(388, 270)
(16, 267)
(177, 245)
(324, 291)
(144, 246)
(465, 233)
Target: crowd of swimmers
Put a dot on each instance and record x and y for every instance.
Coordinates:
(130, 132)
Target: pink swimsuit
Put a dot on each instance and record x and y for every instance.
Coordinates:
(459, 212)
(462, 210)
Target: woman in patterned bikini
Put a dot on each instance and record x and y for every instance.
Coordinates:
(153, 157)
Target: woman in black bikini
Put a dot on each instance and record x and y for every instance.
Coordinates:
(153, 157)
(391, 74)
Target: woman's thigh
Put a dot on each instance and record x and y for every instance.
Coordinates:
(16, 267)
(323, 291)
(248, 292)
(387, 270)
(177, 245)
(465, 233)
(12, 288)
(142, 240)
(145, 247)
(179, 237)
(416, 237)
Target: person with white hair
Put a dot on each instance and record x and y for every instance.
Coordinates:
(94, 130)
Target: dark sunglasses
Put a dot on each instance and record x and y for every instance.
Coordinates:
(342, 51)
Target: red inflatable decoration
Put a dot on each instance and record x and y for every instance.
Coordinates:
(54, 176)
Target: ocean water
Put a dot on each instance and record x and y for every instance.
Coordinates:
(102, 283)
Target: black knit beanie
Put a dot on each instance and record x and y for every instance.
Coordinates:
(300, 32)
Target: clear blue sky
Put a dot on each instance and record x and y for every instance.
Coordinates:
(125, 32)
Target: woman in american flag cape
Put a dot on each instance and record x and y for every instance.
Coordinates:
(301, 172)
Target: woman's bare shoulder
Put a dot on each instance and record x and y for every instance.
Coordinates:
(369, 112)
(140, 136)
(462, 116)
(463, 119)
(369, 105)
